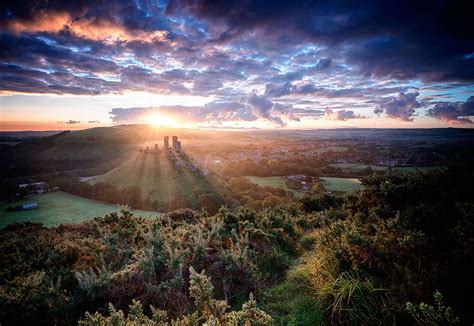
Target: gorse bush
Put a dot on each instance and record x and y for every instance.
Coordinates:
(121, 258)
(438, 314)
(209, 311)
(398, 240)
(370, 258)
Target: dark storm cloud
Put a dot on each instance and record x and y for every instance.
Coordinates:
(24, 80)
(454, 112)
(394, 58)
(17, 79)
(402, 108)
(32, 51)
(262, 108)
(396, 38)
(324, 63)
(277, 90)
(324, 53)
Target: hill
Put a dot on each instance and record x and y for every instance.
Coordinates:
(166, 177)
(97, 150)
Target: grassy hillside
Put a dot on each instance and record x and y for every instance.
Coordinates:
(92, 149)
(159, 178)
(107, 142)
(57, 208)
(92, 144)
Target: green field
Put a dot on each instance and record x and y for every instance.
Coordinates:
(330, 184)
(355, 167)
(57, 208)
(274, 182)
(341, 184)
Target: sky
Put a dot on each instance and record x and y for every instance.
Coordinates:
(236, 64)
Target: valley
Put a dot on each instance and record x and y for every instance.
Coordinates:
(130, 165)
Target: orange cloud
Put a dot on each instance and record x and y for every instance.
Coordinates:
(111, 32)
(48, 22)
(92, 29)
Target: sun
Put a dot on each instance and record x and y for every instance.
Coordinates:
(156, 119)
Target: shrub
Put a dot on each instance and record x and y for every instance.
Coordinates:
(439, 314)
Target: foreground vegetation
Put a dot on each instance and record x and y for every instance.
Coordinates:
(400, 251)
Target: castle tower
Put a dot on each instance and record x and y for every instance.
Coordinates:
(178, 146)
(156, 148)
(175, 142)
(166, 141)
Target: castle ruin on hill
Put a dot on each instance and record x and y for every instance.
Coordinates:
(174, 153)
(175, 146)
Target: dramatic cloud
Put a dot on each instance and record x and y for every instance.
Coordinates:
(93, 29)
(384, 38)
(341, 115)
(252, 108)
(261, 106)
(272, 90)
(454, 112)
(340, 55)
(324, 63)
(286, 110)
(402, 108)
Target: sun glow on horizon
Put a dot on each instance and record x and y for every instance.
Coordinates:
(156, 119)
